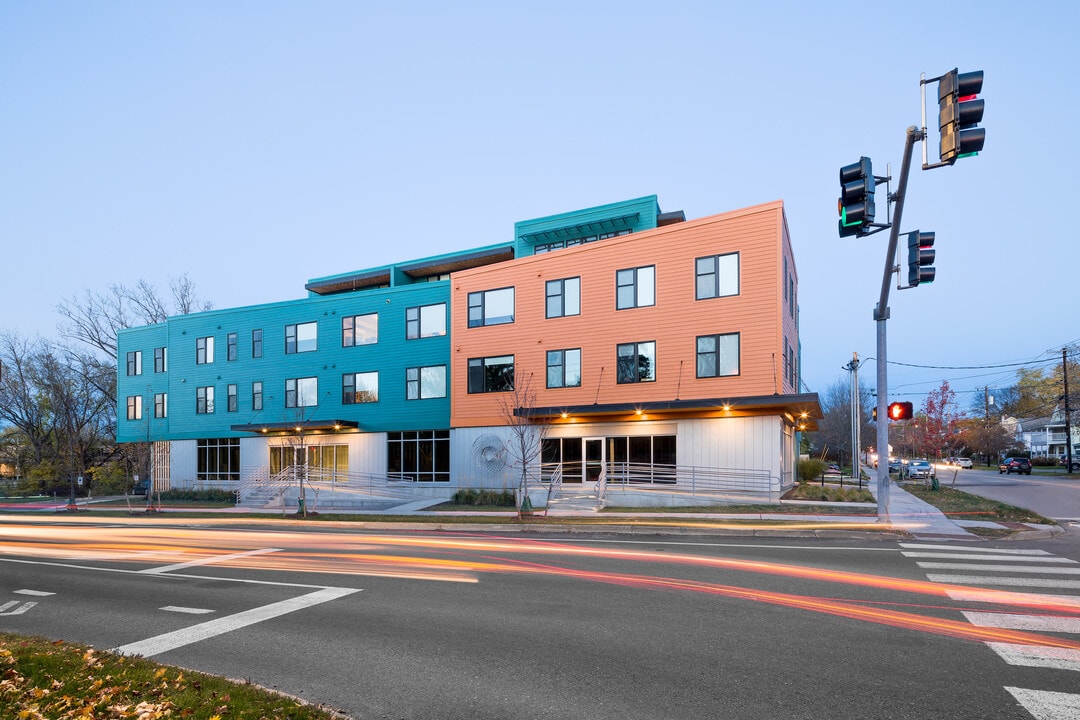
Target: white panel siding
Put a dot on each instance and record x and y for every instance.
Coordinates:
(184, 457)
(750, 443)
(465, 470)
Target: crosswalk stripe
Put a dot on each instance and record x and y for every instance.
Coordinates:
(999, 568)
(996, 580)
(1009, 558)
(1037, 656)
(1046, 704)
(1020, 599)
(973, 550)
(1013, 621)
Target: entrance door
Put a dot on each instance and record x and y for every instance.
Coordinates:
(594, 458)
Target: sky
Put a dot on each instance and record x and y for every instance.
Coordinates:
(255, 145)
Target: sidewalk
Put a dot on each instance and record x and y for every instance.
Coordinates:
(908, 515)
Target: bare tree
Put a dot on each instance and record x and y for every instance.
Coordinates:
(95, 318)
(527, 431)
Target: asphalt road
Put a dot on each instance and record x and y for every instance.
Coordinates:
(1052, 496)
(438, 625)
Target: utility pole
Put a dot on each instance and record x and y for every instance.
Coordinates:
(856, 416)
(1068, 424)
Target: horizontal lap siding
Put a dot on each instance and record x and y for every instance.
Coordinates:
(673, 323)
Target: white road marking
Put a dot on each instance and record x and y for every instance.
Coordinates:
(1036, 623)
(1037, 656)
(1048, 705)
(119, 555)
(203, 631)
(959, 548)
(994, 580)
(999, 568)
(33, 593)
(19, 610)
(208, 561)
(190, 611)
(1006, 597)
(1009, 558)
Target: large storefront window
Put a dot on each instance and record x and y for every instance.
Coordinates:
(325, 462)
(419, 456)
(635, 459)
(218, 459)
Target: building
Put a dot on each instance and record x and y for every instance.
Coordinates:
(661, 358)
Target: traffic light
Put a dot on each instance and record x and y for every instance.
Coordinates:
(959, 114)
(900, 411)
(920, 257)
(856, 203)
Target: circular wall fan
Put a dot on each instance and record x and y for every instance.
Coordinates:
(489, 455)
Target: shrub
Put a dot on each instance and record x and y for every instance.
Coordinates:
(811, 469)
(208, 495)
(491, 498)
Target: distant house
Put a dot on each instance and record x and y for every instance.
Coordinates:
(1045, 436)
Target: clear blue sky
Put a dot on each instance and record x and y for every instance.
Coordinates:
(255, 145)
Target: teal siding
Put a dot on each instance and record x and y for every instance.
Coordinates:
(390, 357)
(638, 215)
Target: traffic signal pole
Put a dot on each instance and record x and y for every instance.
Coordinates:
(881, 315)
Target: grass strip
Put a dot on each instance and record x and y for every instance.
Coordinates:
(42, 678)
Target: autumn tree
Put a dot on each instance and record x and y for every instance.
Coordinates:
(939, 422)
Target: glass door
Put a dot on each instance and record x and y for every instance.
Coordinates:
(594, 458)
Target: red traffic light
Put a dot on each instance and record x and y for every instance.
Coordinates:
(900, 411)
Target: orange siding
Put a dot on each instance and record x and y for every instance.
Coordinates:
(757, 313)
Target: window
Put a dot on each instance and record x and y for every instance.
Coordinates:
(134, 363)
(256, 395)
(419, 456)
(233, 399)
(161, 405)
(636, 362)
(425, 321)
(301, 392)
(563, 297)
(218, 459)
(564, 368)
(359, 388)
(491, 307)
(161, 356)
(491, 374)
(204, 400)
(134, 407)
(359, 330)
(204, 350)
(256, 343)
(425, 383)
(232, 347)
(717, 276)
(301, 338)
(718, 355)
(635, 287)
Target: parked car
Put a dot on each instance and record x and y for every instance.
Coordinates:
(1010, 465)
(894, 466)
(920, 469)
(140, 488)
(963, 462)
(1075, 467)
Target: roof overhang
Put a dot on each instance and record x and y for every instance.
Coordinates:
(801, 410)
(347, 283)
(583, 229)
(464, 261)
(295, 428)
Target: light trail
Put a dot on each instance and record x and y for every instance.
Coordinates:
(373, 555)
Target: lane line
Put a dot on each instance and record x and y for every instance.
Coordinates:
(33, 593)
(188, 610)
(999, 568)
(1046, 704)
(959, 548)
(1007, 558)
(1038, 656)
(212, 628)
(1037, 623)
(993, 580)
(209, 560)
